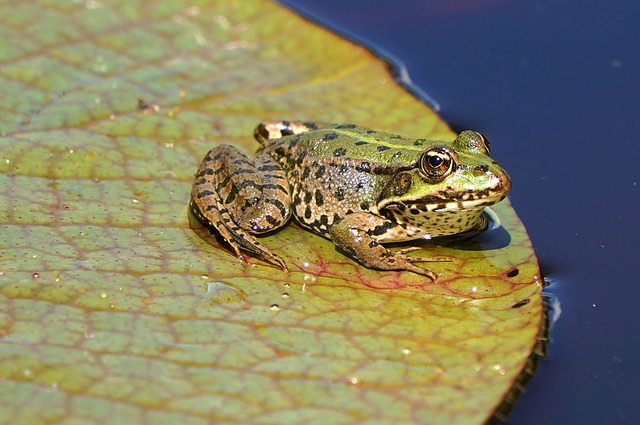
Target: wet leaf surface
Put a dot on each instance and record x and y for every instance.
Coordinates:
(114, 310)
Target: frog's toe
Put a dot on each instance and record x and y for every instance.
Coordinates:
(414, 259)
(409, 266)
(274, 258)
(425, 272)
(260, 250)
(266, 255)
(407, 250)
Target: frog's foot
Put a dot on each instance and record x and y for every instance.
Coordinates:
(237, 238)
(257, 248)
(355, 235)
(399, 261)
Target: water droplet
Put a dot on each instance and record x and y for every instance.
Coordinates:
(285, 295)
(222, 293)
(354, 380)
(274, 307)
(287, 285)
(134, 201)
(204, 277)
(35, 275)
(104, 295)
(406, 351)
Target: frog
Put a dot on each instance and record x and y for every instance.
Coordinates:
(358, 187)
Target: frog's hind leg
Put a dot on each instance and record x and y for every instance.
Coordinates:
(240, 198)
(269, 130)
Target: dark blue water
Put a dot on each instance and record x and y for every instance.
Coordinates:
(555, 84)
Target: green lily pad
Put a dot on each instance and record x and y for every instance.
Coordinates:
(114, 310)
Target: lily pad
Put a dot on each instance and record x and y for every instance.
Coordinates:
(114, 310)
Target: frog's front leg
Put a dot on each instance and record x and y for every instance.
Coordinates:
(358, 235)
(240, 198)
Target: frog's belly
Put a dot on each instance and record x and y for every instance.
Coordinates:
(420, 223)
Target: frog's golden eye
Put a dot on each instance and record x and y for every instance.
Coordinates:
(436, 164)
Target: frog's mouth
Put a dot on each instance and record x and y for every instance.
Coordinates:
(436, 204)
(444, 205)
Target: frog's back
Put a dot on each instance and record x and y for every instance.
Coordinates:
(348, 143)
(337, 170)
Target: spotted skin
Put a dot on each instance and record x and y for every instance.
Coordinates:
(241, 198)
(358, 187)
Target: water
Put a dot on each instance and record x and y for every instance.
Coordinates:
(554, 84)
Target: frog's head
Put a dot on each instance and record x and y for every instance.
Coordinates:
(448, 188)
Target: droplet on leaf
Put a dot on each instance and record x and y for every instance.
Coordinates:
(222, 293)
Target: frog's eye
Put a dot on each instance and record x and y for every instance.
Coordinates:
(436, 164)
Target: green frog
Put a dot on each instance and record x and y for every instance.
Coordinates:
(358, 187)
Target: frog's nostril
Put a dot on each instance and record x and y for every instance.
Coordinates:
(481, 169)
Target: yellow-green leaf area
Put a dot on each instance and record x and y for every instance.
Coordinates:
(114, 308)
